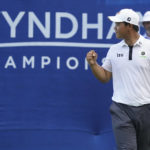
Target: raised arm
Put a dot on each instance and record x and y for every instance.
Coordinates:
(99, 72)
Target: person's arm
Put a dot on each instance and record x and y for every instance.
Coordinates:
(99, 72)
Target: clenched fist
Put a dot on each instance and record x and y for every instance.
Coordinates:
(91, 57)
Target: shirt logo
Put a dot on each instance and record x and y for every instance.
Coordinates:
(119, 55)
(142, 54)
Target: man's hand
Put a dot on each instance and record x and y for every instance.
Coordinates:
(99, 72)
(91, 57)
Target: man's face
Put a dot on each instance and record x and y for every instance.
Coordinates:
(121, 30)
(147, 26)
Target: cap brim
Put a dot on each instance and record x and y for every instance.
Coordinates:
(142, 21)
(114, 19)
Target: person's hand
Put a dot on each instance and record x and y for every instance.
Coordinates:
(91, 57)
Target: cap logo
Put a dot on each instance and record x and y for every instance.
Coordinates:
(129, 19)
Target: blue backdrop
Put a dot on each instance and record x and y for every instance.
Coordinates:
(49, 99)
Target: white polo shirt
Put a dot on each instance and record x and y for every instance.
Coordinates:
(131, 78)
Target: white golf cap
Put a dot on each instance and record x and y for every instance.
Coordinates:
(126, 15)
(146, 17)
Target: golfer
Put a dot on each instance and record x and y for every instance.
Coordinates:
(146, 24)
(128, 64)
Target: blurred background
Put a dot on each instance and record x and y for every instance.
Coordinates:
(49, 99)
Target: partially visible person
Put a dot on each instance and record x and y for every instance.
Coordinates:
(146, 24)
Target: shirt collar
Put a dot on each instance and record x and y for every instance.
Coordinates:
(139, 42)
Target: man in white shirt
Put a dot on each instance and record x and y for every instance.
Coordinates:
(146, 24)
(128, 64)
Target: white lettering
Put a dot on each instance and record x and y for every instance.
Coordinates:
(33, 19)
(10, 62)
(111, 31)
(58, 62)
(13, 24)
(45, 61)
(86, 26)
(28, 62)
(75, 61)
(72, 18)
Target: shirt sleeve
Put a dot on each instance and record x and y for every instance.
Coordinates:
(107, 65)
